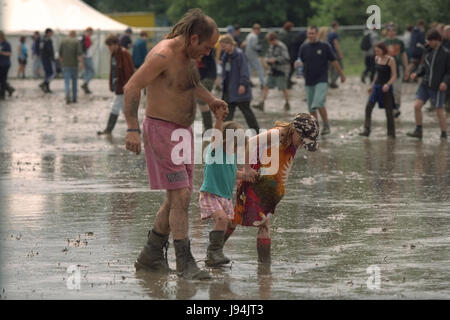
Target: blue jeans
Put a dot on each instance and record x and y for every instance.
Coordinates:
(89, 72)
(70, 73)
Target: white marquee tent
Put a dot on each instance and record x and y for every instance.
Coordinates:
(23, 17)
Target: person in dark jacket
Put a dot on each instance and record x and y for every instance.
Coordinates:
(436, 79)
(237, 91)
(417, 45)
(121, 71)
(48, 60)
(5, 63)
(140, 49)
(208, 74)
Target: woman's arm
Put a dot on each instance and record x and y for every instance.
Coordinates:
(393, 66)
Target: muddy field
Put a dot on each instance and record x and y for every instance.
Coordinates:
(361, 219)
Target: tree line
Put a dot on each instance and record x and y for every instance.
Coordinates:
(273, 13)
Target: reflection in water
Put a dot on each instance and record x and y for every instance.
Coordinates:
(265, 280)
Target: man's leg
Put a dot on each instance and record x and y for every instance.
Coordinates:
(179, 226)
(418, 104)
(248, 115)
(116, 106)
(398, 92)
(152, 257)
(442, 121)
(74, 84)
(67, 77)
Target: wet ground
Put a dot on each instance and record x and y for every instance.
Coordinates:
(357, 208)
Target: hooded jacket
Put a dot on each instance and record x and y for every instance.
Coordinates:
(435, 68)
(238, 75)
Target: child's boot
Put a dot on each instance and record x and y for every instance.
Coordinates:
(214, 253)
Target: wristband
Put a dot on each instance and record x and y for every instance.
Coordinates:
(133, 130)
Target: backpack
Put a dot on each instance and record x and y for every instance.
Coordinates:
(366, 43)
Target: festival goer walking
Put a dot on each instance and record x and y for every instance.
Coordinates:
(253, 50)
(446, 44)
(237, 91)
(71, 56)
(208, 74)
(278, 59)
(333, 40)
(436, 80)
(171, 77)
(287, 36)
(22, 57)
(396, 49)
(315, 56)
(121, 70)
(367, 44)
(88, 62)
(5, 63)
(140, 49)
(36, 56)
(48, 60)
(417, 45)
(381, 91)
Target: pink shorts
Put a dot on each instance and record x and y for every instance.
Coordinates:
(210, 203)
(166, 172)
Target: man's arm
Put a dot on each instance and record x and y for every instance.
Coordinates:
(339, 70)
(405, 65)
(153, 66)
(338, 49)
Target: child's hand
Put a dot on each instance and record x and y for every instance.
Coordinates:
(220, 113)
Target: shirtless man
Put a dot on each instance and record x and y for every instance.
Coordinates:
(172, 81)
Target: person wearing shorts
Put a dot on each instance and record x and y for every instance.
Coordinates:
(315, 56)
(219, 177)
(436, 80)
(171, 78)
(278, 60)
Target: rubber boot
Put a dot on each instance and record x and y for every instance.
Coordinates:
(417, 133)
(154, 255)
(263, 248)
(186, 265)
(9, 89)
(111, 124)
(214, 253)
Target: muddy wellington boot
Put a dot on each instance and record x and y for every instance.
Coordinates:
(416, 133)
(111, 124)
(263, 248)
(186, 266)
(214, 253)
(154, 255)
